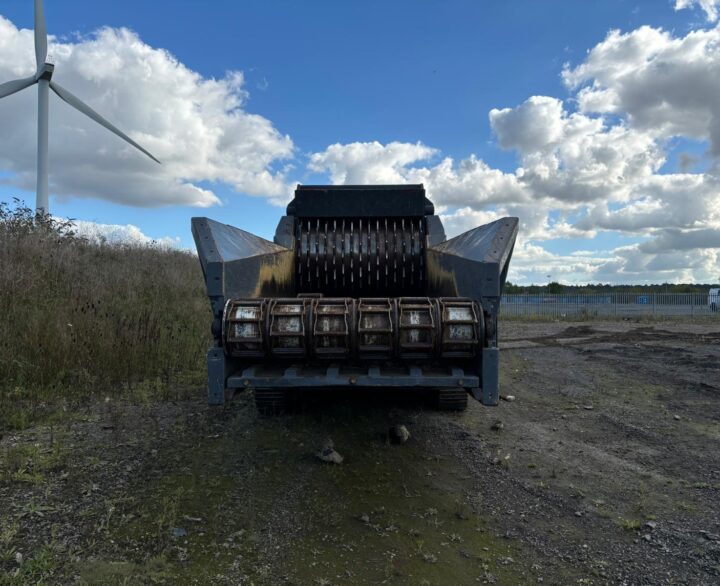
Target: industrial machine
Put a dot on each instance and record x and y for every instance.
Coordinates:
(360, 288)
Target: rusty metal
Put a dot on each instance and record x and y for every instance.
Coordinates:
(460, 327)
(416, 328)
(244, 327)
(368, 329)
(287, 327)
(333, 328)
(375, 331)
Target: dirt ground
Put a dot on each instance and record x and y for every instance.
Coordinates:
(605, 469)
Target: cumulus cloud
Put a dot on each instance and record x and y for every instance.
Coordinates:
(589, 164)
(710, 7)
(199, 128)
(663, 85)
(369, 162)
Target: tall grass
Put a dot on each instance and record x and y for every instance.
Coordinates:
(79, 319)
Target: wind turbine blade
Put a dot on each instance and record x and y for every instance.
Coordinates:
(90, 113)
(40, 34)
(11, 87)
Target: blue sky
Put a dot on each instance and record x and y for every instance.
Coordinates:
(326, 72)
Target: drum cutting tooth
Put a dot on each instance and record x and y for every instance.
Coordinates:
(352, 253)
(360, 257)
(386, 254)
(325, 253)
(347, 256)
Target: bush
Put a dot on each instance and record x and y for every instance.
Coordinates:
(80, 318)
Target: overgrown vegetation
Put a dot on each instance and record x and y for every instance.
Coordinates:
(81, 319)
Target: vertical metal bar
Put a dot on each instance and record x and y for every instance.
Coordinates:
(42, 197)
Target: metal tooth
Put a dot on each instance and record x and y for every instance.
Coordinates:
(378, 242)
(412, 253)
(401, 255)
(352, 253)
(334, 255)
(325, 252)
(360, 253)
(395, 251)
(386, 252)
(342, 251)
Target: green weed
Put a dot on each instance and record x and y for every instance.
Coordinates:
(82, 320)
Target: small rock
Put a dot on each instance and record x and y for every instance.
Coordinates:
(178, 532)
(498, 425)
(588, 407)
(647, 537)
(676, 417)
(18, 558)
(712, 536)
(192, 519)
(650, 525)
(508, 398)
(328, 454)
(578, 513)
(430, 558)
(506, 561)
(399, 434)
(365, 518)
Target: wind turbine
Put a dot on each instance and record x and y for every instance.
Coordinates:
(43, 79)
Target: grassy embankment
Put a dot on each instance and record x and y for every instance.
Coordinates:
(81, 320)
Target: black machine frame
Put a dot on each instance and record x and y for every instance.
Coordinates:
(356, 242)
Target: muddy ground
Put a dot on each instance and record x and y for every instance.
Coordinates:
(605, 469)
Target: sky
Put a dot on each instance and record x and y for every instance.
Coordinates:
(596, 122)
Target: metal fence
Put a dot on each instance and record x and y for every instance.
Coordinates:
(611, 304)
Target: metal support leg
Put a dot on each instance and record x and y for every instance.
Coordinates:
(217, 375)
(490, 376)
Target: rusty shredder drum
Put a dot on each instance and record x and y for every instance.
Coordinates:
(360, 287)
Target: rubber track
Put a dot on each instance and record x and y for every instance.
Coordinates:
(273, 401)
(451, 399)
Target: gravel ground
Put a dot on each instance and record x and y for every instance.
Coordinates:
(604, 469)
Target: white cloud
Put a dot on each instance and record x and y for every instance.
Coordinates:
(120, 234)
(199, 128)
(596, 168)
(369, 162)
(663, 85)
(589, 164)
(709, 6)
(536, 126)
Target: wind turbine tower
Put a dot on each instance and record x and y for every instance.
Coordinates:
(43, 79)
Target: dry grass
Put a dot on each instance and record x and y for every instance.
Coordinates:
(81, 319)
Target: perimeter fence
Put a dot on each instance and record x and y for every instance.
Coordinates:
(610, 304)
